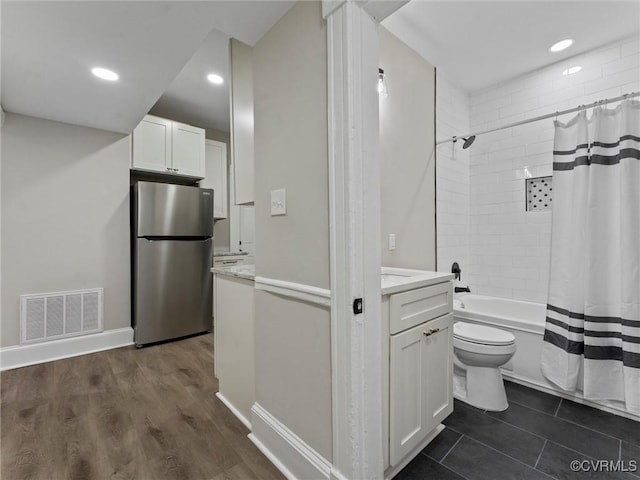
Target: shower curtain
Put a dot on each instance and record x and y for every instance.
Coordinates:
(592, 334)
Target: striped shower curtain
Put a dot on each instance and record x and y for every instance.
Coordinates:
(592, 335)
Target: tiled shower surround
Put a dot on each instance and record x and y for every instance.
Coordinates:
(502, 248)
(452, 178)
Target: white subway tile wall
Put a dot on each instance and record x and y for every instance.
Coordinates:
(502, 249)
(452, 179)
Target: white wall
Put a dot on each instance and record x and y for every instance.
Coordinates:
(509, 247)
(452, 178)
(293, 351)
(293, 367)
(291, 130)
(407, 160)
(65, 216)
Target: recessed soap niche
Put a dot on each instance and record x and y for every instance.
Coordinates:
(539, 192)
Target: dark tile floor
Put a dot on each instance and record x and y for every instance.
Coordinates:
(537, 437)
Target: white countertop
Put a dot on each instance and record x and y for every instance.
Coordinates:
(248, 272)
(395, 280)
(228, 254)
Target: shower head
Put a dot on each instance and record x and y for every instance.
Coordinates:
(468, 141)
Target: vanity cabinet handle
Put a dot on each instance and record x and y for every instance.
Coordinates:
(430, 332)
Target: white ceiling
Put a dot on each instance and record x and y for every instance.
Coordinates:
(48, 48)
(191, 98)
(478, 43)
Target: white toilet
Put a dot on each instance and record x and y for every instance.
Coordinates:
(480, 351)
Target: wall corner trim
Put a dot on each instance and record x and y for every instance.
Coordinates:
(298, 291)
(288, 452)
(25, 355)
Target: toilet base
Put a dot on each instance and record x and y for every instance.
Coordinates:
(480, 387)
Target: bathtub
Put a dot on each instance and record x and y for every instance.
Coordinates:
(526, 321)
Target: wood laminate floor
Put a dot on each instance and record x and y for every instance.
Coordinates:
(148, 414)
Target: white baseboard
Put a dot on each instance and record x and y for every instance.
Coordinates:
(234, 410)
(272, 458)
(288, 452)
(24, 355)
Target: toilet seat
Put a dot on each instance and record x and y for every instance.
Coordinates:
(483, 349)
(481, 334)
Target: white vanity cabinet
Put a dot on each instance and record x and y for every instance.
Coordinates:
(165, 146)
(418, 370)
(420, 383)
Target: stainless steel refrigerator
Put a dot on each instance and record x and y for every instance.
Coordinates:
(172, 244)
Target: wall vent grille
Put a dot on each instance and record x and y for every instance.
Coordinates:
(50, 316)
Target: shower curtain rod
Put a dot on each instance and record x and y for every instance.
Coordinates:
(543, 117)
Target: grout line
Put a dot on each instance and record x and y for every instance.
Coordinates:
(620, 452)
(454, 446)
(535, 434)
(529, 407)
(501, 453)
(558, 409)
(540, 455)
(446, 466)
(562, 419)
(510, 425)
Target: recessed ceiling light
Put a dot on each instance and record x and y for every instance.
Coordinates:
(215, 79)
(572, 70)
(105, 74)
(561, 45)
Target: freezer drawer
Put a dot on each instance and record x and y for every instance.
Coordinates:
(173, 289)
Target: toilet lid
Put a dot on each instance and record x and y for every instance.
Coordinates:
(482, 334)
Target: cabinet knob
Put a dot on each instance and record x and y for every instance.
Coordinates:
(431, 331)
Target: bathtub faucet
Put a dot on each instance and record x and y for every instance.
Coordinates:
(461, 289)
(455, 269)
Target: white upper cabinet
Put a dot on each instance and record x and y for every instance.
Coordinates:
(216, 176)
(242, 151)
(165, 146)
(188, 150)
(152, 144)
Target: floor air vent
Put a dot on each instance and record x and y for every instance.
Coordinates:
(50, 316)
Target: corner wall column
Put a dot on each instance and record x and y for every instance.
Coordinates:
(354, 183)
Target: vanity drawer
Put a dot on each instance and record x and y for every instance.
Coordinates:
(411, 308)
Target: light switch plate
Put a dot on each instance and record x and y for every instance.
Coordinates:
(278, 202)
(392, 241)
